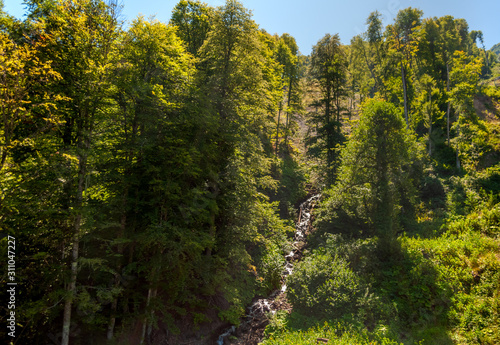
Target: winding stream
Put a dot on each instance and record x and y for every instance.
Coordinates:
(259, 309)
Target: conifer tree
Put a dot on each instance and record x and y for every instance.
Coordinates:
(329, 68)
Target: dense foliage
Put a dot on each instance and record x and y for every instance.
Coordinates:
(138, 166)
(150, 174)
(406, 247)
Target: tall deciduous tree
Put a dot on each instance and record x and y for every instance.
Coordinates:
(287, 57)
(374, 37)
(428, 104)
(238, 75)
(403, 37)
(362, 70)
(477, 35)
(153, 75)
(30, 207)
(82, 33)
(22, 74)
(292, 71)
(464, 78)
(193, 22)
(449, 41)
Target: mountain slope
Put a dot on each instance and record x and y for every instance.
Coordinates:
(496, 49)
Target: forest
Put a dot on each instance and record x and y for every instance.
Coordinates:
(151, 175)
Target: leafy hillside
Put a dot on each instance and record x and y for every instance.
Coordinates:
(496, 49)
(406, 247)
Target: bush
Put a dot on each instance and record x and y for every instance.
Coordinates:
(271, 267)
(323, 284)
(492, 92)
(335, 333)
(432, 191)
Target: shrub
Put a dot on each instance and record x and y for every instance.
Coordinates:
(335, 333)
(323, 284)
(271, 267)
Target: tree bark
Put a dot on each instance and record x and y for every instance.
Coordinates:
(82, 163)
(329, 136)
(145, 321)
(72, 286)
(486, 57)
(370, 68)
(458, 135)
(430, 122)
(448, 106)
(288, 112)
(112, 318)
(278, 127)
(405, 99)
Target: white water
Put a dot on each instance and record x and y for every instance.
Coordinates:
(263, 306)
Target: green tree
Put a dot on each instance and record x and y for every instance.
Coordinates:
(291, 74)
(153, 76)
(287, 57)
(193, 22)
(329, 68)
(22, 74)
(375, 176)
(449, 42)
(81, 36)
(29, 123)
(368, 56)
(428, 104)
(234, 34)
(239, 76)
(403, 40)
(478, 36)
(464, 78)
(375, 39)
(362, 66)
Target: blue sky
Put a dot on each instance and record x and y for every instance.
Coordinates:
(309, 20)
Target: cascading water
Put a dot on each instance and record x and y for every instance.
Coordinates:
(261, 307)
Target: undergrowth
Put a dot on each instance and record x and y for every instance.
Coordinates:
(441, 286)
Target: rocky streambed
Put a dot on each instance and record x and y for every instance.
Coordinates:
(251, 329)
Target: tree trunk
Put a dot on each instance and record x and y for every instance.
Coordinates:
(458, 135)
(448, 106)
(384, 208)
(145, 321)
(286, 131)
(337, 106)
(430, 122)
(370, 68)
(278, 128)
(329, 136)
(150, 324)
(112, 318)
(147, 326)
(82, 163)
(288, 112)
(351, 106)
(405, 99)
(72, 285)
(486, 57)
